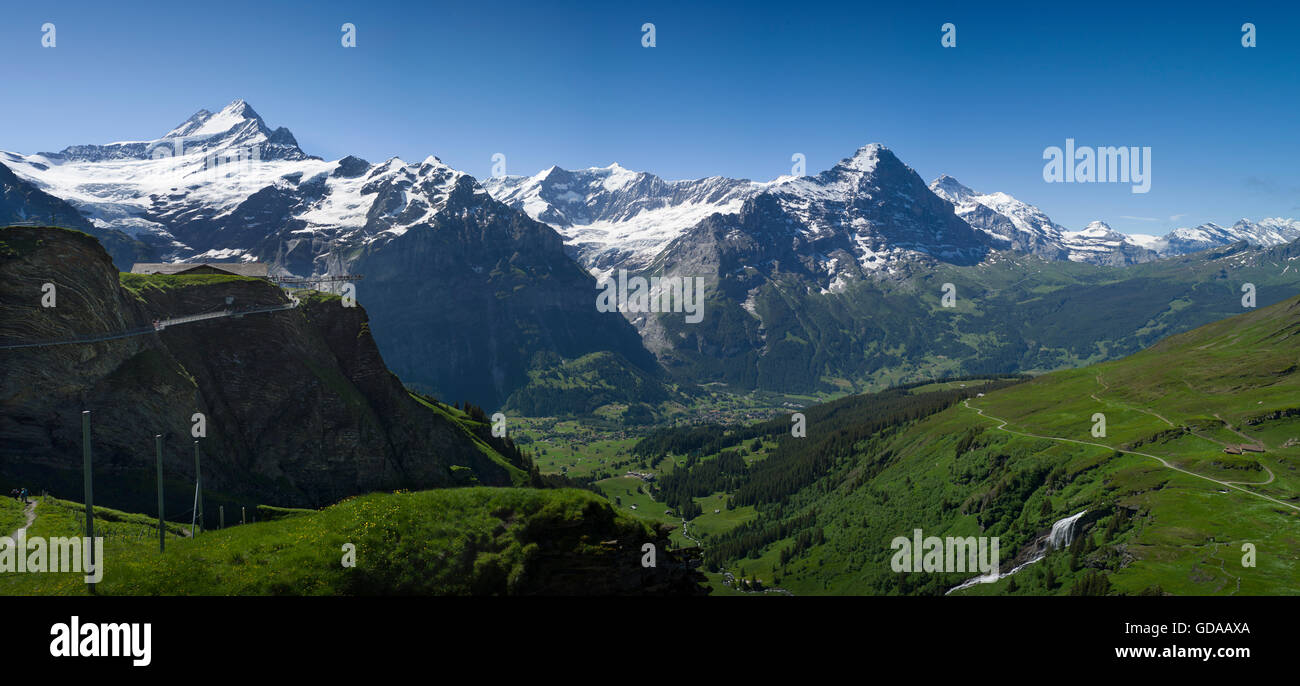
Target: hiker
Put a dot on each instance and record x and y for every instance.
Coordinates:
(14, 494)
(25, 501)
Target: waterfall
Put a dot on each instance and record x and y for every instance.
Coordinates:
(1063, 532)
(1061, 536)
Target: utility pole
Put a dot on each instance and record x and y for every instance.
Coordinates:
(162, 529)
(89, 487)
(198, 494)
(198, 485)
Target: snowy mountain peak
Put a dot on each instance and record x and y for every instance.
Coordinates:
(1097, 228)
(234, 131)
(204, 123)
(951, 188)
(867, 157)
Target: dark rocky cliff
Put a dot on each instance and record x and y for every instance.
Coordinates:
(300, 407)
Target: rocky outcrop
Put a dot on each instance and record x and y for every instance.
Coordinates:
(300, 408)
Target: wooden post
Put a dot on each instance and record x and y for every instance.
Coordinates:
(89, 487)
(221, 520)
(162, 527)
(243, 515)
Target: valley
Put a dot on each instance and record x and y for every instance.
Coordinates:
(872, 355)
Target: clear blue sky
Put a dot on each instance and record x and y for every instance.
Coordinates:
(730, 89)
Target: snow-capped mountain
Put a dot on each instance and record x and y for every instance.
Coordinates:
(1264, 233)
(226, 186)
(465, 295)
(612, 217)
(1097, 243)
(1018, 225)
(870, 213)
(1026, 228)
(878, 209)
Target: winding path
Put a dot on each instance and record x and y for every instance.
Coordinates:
(31, 517)
(1229, 484)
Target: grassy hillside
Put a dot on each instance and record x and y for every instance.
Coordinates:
(602, 383)
(445, 542)
(1168, 511)
(11, 514)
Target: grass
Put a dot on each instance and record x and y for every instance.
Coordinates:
(444, 542)
(1233, 381)
(11, 515)
(140, 284)
(518, 477)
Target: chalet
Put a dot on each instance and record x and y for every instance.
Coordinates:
(257, 269)
(1234, 449)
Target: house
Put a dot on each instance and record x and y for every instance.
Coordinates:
(257, 269)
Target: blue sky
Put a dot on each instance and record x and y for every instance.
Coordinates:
(729, 90)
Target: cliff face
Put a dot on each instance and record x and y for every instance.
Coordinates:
(300, 408)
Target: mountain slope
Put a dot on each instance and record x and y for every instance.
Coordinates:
(1162, 506)
(299, 406)
(467, 305)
